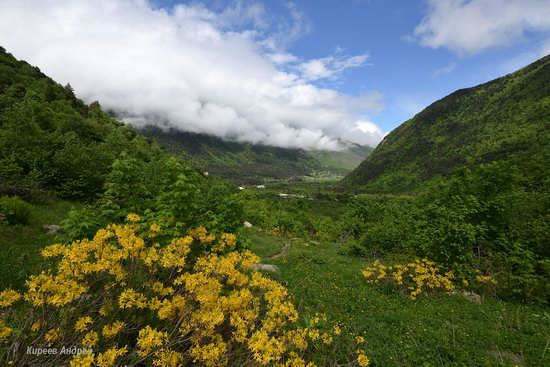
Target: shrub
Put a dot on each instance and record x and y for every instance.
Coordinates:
(135, 297)
(15, 210)
(415, 277)
(423, 275)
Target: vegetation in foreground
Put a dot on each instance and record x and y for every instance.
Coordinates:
(433, 330)
(134, 295)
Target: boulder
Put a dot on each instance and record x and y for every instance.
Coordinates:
(265, 267)
(53, 228)
(248, 225)
(471, 296)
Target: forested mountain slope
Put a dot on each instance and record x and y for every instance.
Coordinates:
(507, 119)
(50, 140)
(252, 163)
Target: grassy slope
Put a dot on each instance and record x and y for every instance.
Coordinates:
(344, 161)
(504, 119)
(20, 246)
(433, 331)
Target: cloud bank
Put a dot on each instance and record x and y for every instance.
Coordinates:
(470, 26)
(223, 72)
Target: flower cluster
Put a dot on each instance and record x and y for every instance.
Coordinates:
(415, 277)
(486, 279)
(134, 297)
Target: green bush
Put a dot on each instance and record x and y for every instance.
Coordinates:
(15, 210)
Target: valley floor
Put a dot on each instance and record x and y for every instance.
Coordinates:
(431, 331)
(440, 330)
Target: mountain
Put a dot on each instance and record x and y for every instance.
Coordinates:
(252, 163)
(507, 119)
(51, 141)
(347, 159)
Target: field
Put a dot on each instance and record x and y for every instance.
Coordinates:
(439, 330)
(435, 330)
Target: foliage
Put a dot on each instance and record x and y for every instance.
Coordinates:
(51, 140)
(14, 210)
(446, 330)
(379, 224)
(485, 219)
(166, 191)
(133, 296)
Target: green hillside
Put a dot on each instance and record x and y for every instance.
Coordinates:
(345, 160)
(507, 119)
(51, 141)
(253, 163)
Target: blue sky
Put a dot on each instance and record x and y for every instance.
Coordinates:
(409, 75)
(304, 73)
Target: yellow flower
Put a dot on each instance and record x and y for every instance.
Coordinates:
(109, 357)
(8, 297)
(132, 217)
(113, 329)
(327, 339)
(362, 359)
(82, 360)
(336, 330)
(210, 354)
(168, 358)
(486, 279)
(150, 339)
(90, 339)
(4, 330)
(154, 227)
(36, 326)
(266, 349)
(130, 298)
(52, 335)
(55, 290)
(359, 340)
(82, 323)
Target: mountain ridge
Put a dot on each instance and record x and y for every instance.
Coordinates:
(503, 119)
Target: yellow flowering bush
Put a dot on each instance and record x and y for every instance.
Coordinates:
(131, 296)
(415, 277)
(486, 279)
(423, 275)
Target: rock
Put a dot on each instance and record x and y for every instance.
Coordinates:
(53, 228)
(471, 296)
(265, 267)
(248, 225)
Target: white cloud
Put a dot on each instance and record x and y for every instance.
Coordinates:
(471, 26)
(447, 69)
(330, 67)
(216, 72)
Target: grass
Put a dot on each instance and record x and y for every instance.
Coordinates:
(20, 245)
(432, 331)
(264, 245)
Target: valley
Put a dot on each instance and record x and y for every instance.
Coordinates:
(431, 252)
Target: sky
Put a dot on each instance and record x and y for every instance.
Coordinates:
(306, 73)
